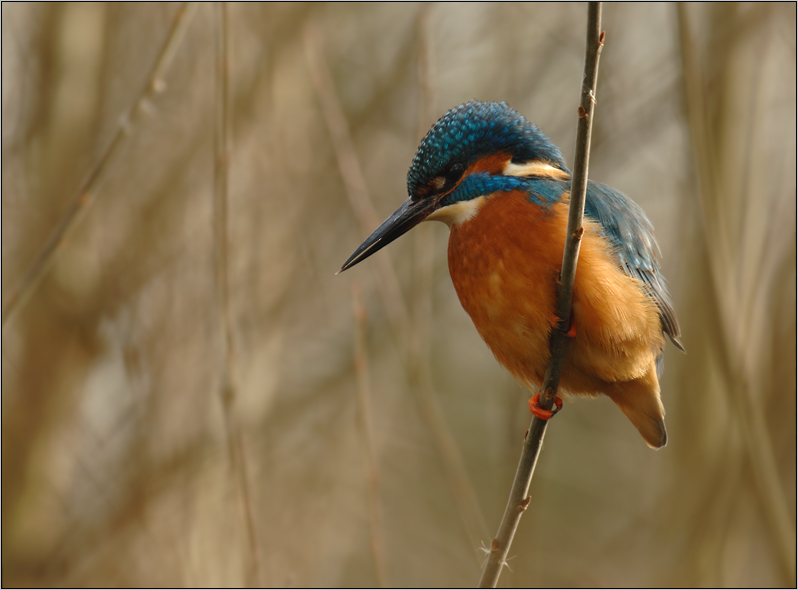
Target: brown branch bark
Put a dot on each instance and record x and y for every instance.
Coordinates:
(519, 500)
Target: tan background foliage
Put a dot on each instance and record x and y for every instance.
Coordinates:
(122, 462)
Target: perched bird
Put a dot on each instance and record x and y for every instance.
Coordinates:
(502, 187)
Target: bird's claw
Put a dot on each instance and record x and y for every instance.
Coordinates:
(555, 323)
(542, 413)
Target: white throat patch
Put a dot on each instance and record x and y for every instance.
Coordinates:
(457, 213)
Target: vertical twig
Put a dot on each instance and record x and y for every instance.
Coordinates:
(388, 284)
(476, 528)
(423, 236)
(352, 174)
(519, 500)
(221, 170)
(155, 84)
(367, 433)
(227, 390)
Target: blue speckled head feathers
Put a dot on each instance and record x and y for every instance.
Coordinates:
(474, 130)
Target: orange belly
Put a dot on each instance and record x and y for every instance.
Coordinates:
(504, 263)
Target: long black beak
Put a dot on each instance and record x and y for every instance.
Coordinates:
(406, 217)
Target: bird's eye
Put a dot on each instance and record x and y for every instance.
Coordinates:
(455, 170)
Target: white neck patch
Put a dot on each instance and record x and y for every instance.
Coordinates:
(457, 213)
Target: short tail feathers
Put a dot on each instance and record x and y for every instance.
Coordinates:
(640, 401)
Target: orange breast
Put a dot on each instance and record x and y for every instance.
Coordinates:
(504, 264)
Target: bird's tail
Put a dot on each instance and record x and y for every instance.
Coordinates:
(639, 400)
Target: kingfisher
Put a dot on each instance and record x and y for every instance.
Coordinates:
(503, 189)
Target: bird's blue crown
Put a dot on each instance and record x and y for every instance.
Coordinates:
(475, 130)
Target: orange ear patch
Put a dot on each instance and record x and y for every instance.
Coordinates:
(492, 164)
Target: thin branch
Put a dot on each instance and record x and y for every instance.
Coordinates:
(221, 140)
(388, 285)
(367, 434)
(519, 500)
(418, 362)
(418, 350)
(352, 173)
(227, 392)
(423, 269)
(19, 294)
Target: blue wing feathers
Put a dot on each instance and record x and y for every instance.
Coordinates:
(626, 226)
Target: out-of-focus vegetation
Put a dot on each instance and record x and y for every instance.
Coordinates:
(122, 462)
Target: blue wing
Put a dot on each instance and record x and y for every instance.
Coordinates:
(627, 227)
(629, 230)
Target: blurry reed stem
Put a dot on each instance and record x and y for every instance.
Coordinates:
(367, 433)
(227, 390)
(519, 500)
(352, 174)
(154, 85)
(418, 362)
(423, 236)
(390, 291)
(734, 330)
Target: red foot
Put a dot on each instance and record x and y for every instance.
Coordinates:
(555, 323)
(571, 333)
(534, 407)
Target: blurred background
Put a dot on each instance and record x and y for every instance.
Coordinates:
(191, 397)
